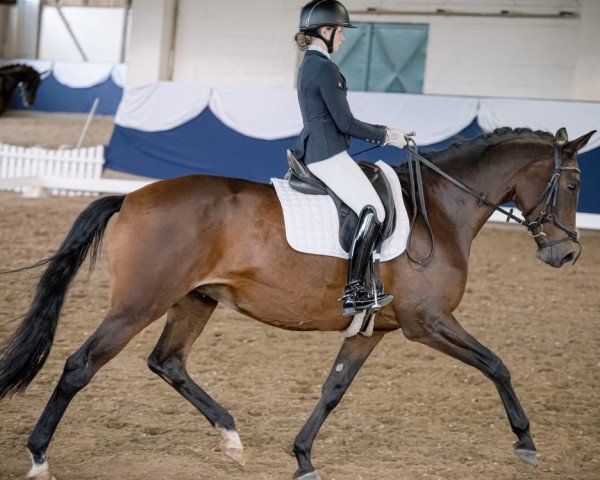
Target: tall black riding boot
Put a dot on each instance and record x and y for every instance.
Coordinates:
(357, 297)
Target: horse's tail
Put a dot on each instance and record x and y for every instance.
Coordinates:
(23, 354)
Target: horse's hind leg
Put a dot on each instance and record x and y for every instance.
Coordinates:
(185, 321)
(107, 341)
(351, 357)
(445, 334)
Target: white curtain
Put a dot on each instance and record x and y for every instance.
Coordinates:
(258, 112)
(161, 106)
(81, 75)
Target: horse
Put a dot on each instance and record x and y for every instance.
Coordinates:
(12, 76)
(210, 240)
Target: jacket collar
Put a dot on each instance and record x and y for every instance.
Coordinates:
(314, 50)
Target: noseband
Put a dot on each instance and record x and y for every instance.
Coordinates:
(535, 228)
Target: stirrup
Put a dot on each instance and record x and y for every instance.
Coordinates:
(357, 299)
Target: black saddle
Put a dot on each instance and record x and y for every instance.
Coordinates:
(302, 180)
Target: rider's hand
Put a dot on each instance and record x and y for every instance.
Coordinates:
(395, 137)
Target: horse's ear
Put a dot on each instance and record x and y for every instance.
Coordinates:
(579, 143)
(561, 136)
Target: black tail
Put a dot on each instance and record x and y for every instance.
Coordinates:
(24, 353)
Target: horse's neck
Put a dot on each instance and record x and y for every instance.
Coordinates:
(491, 176)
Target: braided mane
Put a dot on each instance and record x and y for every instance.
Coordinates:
(475, 146)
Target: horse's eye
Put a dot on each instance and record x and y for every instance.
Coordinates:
(572, 187)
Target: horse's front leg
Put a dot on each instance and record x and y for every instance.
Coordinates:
(350, 359)
(445, 334)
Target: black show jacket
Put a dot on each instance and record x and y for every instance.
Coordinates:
(328, 121)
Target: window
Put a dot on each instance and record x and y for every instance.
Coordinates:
(384, 57)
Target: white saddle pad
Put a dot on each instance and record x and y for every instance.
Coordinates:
(312, 224)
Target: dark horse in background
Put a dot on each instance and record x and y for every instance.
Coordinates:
(11, 76)
(209, 239)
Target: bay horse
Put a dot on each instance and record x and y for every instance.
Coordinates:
(210, 239)
(11, 76)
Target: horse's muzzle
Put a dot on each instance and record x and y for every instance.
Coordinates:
(557, 253)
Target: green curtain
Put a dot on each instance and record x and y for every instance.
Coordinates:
(384, 57)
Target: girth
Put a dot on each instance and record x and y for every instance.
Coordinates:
(302, 180)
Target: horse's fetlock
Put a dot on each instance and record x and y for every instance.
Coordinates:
(225, 420)
(300, 448)
(38, 452)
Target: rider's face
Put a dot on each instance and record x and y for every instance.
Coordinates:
(339, 38)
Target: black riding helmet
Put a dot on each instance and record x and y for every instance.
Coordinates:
(323, 13)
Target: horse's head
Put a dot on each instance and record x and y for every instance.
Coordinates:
(547, 195)
(30, 86)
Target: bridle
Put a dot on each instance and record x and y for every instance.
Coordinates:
(548, 198)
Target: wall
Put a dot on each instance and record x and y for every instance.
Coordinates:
(150, 52)
(8, 35)
(587, 71)
(251, 43)
(98, 30)
(241, 42)
(236, 42)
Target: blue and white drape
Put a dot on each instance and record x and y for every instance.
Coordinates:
(168, 129)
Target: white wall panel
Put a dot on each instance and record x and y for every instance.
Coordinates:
(8, 36)
(502, 57)
(587, 73)
(150, 52)
(236, 42)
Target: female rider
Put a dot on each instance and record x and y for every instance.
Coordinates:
(325, 139)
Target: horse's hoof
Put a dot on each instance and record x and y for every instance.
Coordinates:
(236, 453)
(40, 472)
(309, 476)
(529, 456)
(231, 445)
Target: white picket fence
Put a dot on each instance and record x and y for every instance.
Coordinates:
(35, 171)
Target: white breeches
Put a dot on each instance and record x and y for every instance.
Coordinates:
(342, 175)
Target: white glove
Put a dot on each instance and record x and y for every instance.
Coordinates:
(395, 137)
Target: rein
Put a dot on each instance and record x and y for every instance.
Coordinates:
(547, 213)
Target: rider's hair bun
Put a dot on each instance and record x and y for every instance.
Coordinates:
(302, 40)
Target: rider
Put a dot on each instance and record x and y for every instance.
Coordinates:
(325, 139)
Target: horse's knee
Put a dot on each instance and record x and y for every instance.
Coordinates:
(498, 371)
